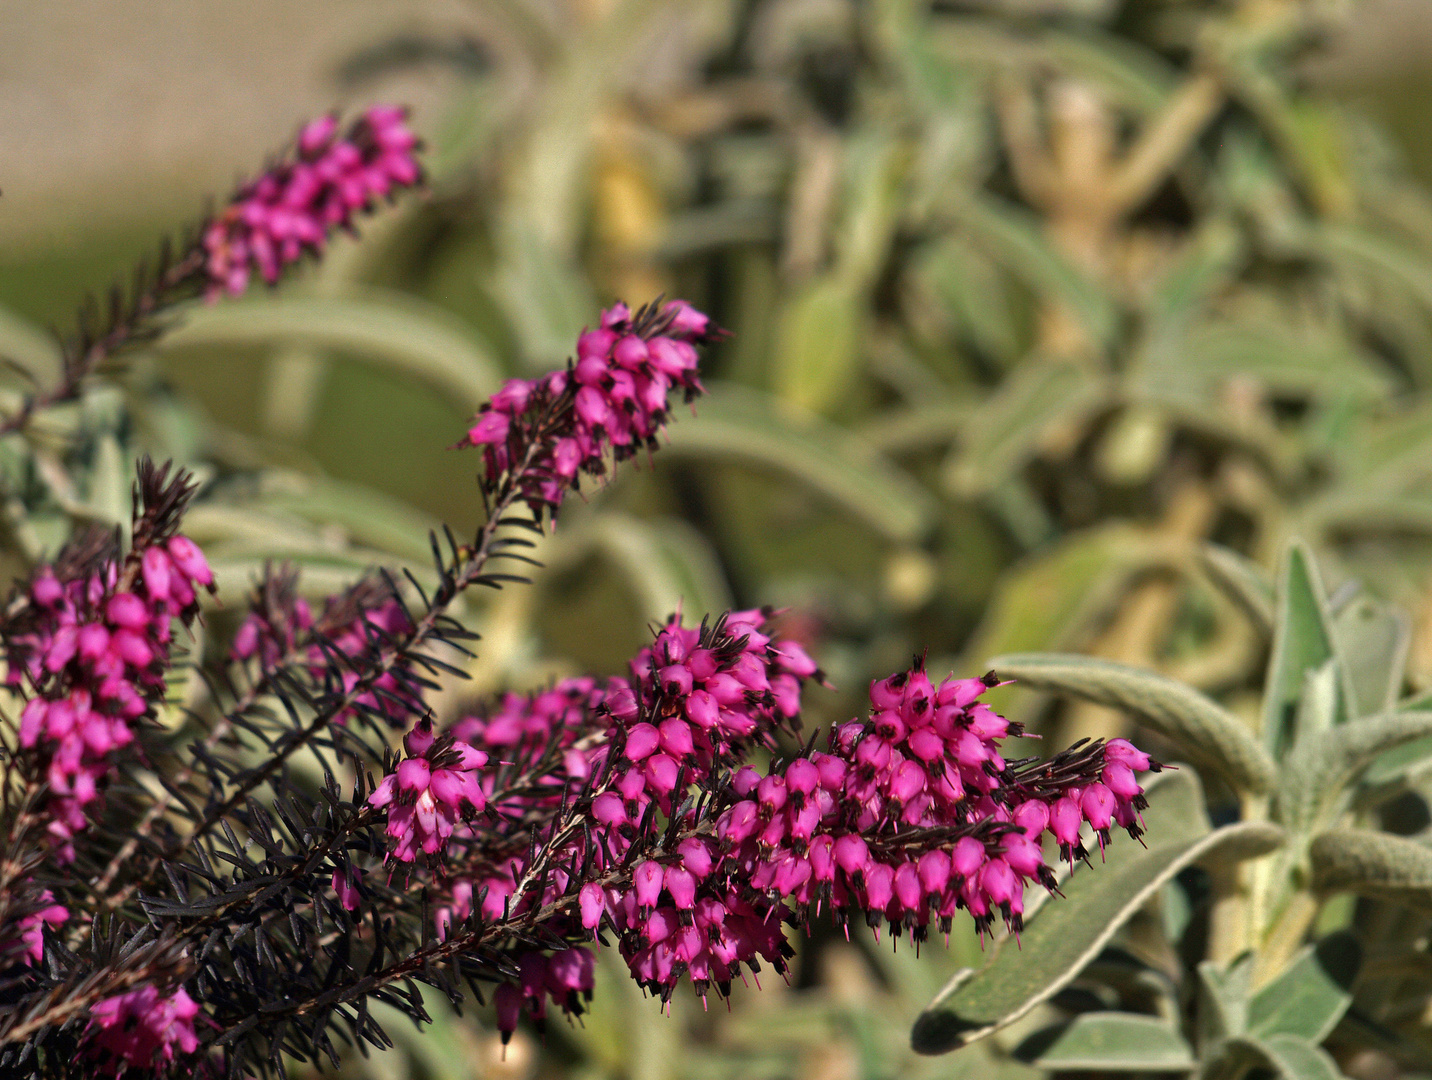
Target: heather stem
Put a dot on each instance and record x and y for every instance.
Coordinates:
(83, 358)
(471, 569)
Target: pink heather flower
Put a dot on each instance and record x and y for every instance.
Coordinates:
(346, 889)
(32, 927)
(613, 398)
(143, 1028)
(431, 790)
(92, 660)
(295, 206)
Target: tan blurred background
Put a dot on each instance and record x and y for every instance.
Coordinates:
(112, 112)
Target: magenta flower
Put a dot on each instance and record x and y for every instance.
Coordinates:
(354, 624)
(432, 790)
(295, 206)
(143, 1028)
(30, 944)
(544, 433)
(93, 644)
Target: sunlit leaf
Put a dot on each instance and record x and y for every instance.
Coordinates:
(819, 344)
(1201, 727)
(1223, 997)
(1243, 582)
(1372, 642)
(1290, 1057)
(1039, 398)
(1108, 1042)
(1315, 776)
(416, 338)
(1048, 599)
(1375, 864)
(1310, 996)
(745, 425)
(1302, 641)
(1016, 240)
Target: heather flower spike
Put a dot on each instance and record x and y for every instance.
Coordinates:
(543, 434)
(295, 206)
(695, 860)
(329, 179)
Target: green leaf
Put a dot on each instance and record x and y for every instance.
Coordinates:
(1242, 581)
(237, 569)
(1356, 511)
(1311, 995)
(747, 425)
(935, 423)
(1108, 1042)
(1039, 398)
(1318, 772)
(818, 344)
(1131, 75)
(34, 350)
(875, 168)
(966, 291)
(109, 482)
(1223, 998)
(1372, 642)
(1048, 599)
(1216, 251)
(1197, 723)
(540, 288)
(1289, 1056)
(1018, 240)
(1065, 934)
(1375, 864)
(1401, 763)
(1302, 640)
(366, 516)
(1368, 250)
(413, 336)
(1281, 359)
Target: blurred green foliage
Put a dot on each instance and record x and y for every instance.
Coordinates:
(1029, 299)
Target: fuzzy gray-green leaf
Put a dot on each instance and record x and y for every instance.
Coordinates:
(1065, 934)
(1223, 998)
(1108, 1042)
(1372, 642)
(1201, 727)
(1311, 994)
(1242, 581)
(1302, 640)
(1317, 773)
(750, 426)
(1290, 1057)
(1010, 429)
(1373, 863)
(415, 337)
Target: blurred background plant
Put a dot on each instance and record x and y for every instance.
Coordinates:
(1031, 299)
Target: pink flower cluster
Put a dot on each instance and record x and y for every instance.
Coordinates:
(434, 787)
(696, 701)
(142, 1026)
(546, 432)
(297, 204)
(29, 945)
(566, 977)
(95, 655)
(911, 815)
(279, 621)
(828, 828)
